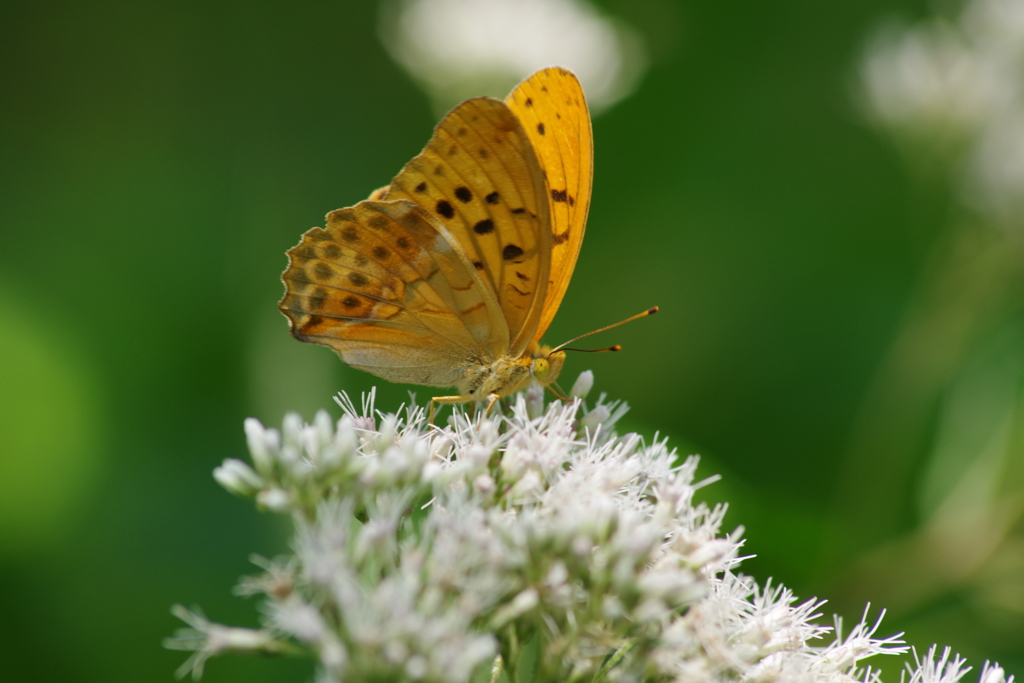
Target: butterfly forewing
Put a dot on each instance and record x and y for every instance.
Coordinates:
(479, 176)
(388, 288)
(553, 112)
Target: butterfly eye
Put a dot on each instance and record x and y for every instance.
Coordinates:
(541, 368)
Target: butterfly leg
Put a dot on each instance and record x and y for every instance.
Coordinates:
(492, 399)
(564, 399)
(451, 400)
(446, 400)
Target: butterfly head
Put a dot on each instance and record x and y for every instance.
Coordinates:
(546, 365)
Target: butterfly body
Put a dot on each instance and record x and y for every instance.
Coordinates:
(450, 275)
(510, 374)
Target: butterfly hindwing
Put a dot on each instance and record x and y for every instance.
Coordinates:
(388, 288)
(552, 109)
(479, 176)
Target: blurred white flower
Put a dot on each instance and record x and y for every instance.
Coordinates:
(438, 554)
(958, 88)
(926, 82)
(460, 48)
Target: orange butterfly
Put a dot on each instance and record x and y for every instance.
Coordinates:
(450, 275)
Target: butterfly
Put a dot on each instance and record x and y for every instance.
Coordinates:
(450, 275)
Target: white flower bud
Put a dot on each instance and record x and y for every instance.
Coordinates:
(275, 500)
(262, 445)
(292, 429)
(992, 673)
(223, 639)
(346, 439)
(595, 417)
(525, 601)
(529, 487)
(323, 423)
(237, 477)
(583, 384)
(535, 401)
(484, 485)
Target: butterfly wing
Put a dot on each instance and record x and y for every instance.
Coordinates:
(553, 111)
(389, 288)
(479, 176)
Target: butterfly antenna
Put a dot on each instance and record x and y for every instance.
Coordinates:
(649, 311)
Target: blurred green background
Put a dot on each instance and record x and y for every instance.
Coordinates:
(824, 308)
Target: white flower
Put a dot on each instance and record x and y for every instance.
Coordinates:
(421, 554)
(958, 88)
(461, 48)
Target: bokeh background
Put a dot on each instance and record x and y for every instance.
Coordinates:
(823, 198)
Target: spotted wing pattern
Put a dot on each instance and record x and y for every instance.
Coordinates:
(479, 176)
(390, 289)
(552, 109)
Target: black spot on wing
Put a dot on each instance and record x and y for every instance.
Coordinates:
(332, 252)
(304, 251)
(445, 209)
(358, 279)
(298, 277)
(319, 298)
(540, 128)
(323, 271)
(492, 198)
(422, 187)
(560, 195)
(464, 194)
(350, 234)
(381, 254)
(519, 210)
(484, 227)
(511, 251)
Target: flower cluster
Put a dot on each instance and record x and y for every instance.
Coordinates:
(537, 543)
